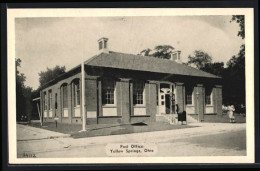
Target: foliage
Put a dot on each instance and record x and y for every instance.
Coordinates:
(215, 68)
(160, 51)
(50, 74)
(163, 51)
(234, 79)
(145, 52)
(241, 20)
(23, 94)
(199, 59)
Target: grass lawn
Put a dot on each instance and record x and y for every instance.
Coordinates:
(108, 129)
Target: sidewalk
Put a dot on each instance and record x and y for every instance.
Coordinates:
(158, 136)
(32, 133)
(31, 139)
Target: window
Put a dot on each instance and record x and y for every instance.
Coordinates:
(50, 100)
(76, 93)
(45, 101)
(108, 91)
(138, 92)
(157, 96)
(64, 96)
(208, 92)
(189, 92)
(100, 45)
(105, 44)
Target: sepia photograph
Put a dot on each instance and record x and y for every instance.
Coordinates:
(131, 85)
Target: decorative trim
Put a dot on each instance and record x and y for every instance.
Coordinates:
(109, 106)
(153, 82)
(110, 116)
(90, 77)
(139, 106)
(140, 115)
(210, 113)
(125, 79)
(179, 84)
(218, 86)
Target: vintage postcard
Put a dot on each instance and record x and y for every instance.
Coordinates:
(167, 85)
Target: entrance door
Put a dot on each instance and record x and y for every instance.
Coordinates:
(167, 104)
(162, 103)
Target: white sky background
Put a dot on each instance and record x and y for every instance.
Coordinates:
(47, 42)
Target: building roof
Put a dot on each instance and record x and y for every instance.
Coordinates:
(144, 63)
(137, 63)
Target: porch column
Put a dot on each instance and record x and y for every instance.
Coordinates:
(59, 103)
(218, 99)
(200, 98)
(91, 96)
(131, 92)
(153, 100)
(124, 102)
(72, 99)
(99, 98)
(180, 96)
(41, 105)
(70, 105)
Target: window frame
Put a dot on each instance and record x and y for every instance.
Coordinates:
(50, 99)
(104, 95)
(210, 97)
(76, 93)
(191, 96)
(45, 104)
(63, 100)
(143, 93)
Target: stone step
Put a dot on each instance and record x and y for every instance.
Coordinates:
(191, 119)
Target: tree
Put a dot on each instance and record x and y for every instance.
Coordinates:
(234, 79)
(241, 20)
(145, 52)
(163, 51)
(234, 74)
(199, 59)
(23, 94)
(216, 68)
(160, 51)
(50, 74)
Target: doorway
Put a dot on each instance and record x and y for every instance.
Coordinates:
(165, 98)
(167, 104)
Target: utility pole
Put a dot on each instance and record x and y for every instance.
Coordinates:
(198, 104)
(83, 96)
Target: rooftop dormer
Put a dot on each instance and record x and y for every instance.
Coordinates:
(103, 45)
(176, 56)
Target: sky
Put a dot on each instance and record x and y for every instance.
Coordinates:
(46, 42)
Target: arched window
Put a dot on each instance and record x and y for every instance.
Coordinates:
(64, 91)
(76, 92)
(50, 99)
(45, 101)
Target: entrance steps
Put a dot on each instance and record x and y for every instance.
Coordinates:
(173, 118)
(169, 118)
(191, 119)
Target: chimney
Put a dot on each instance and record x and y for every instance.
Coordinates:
(176, 56)
(103, 45)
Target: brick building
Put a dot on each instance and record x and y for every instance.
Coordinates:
(126, 88)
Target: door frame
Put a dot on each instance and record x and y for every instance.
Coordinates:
(171, 89)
